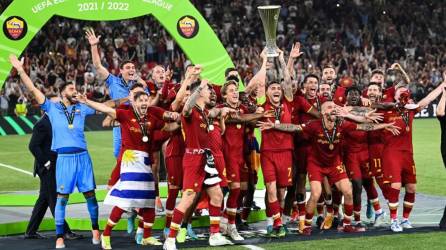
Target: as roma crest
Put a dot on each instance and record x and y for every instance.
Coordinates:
(15, 28)
(187, 26)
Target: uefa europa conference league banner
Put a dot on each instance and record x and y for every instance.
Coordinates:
(23, 19)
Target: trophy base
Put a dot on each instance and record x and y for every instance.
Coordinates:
(271, 52)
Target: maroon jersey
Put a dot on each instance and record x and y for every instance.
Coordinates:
(234, 136)
(274, 140)
(194, 128)
(375, 140)
(403, 141)
(214, 140)
(356, 141)
(175, 146)
(320, 152)
(131, 130)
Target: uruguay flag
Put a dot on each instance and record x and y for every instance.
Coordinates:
(136, 186)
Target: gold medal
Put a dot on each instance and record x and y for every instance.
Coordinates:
(331, 146)
(70, 126)
(407, 128)
(239, 126)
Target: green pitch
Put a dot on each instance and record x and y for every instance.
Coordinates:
(14, 152)
(403, 241)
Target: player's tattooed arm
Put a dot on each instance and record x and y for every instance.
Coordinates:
(221, 112)
(284, 127)
(387, 126)
(237, 117)
(190, 103)
(287, 89)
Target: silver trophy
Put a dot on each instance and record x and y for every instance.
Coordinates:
(270, 15)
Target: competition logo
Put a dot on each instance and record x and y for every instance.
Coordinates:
(187, 26)
(15, 28)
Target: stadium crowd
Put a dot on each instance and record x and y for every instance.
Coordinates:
(356, 36)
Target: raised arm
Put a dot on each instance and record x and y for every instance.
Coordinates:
(441, 104)
(187, 109)
(433, 94)
(370, 127)
(294, 54)
(191, 75)
(287, 89)
(116, 102)
(259, 79)
(98, 106)
(94, 41)
(18, 65)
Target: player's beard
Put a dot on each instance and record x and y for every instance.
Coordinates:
(72, 98)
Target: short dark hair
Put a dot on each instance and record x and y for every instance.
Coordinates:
(329, 66)
(352, 88)
(272, 82)
(377, 71)
(121, 65)
(233, 78)
(229, 70)
(64, 85)
(195, 85)
(136, 85)
(311, 76)
(375, 83)
(224, 89)
(139, 94)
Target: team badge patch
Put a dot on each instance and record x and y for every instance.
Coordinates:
(15, 28)
(187, 26)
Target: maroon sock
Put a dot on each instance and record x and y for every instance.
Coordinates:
(113, 219)
(337, 199)
(357, 211)
(409, 200)
(170, 205)
(275, 213)
(308, 219)
(348, 211)
(393, 195)
(231, 205)
(176, 223)
(320, 205)
(149, 217)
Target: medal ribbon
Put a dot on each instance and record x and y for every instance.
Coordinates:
(69, 116)
(331, 138)
(141, 123)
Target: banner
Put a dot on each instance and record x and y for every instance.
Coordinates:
(23, 19)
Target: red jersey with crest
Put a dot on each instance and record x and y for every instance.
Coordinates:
(130, 129)
(275, 140)
(194, 129)
(234, 136)
(320, 153)
(403, 141)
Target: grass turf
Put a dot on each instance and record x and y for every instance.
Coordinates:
(14, 151)
(433, 240)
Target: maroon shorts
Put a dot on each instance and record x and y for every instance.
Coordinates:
(174, 166)
(398, 167)
(375, 161)
(277, 166)
(193, 172)
(334, 174)
(300, 159)
(357, 165)
(220, 166)
(236, 169)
